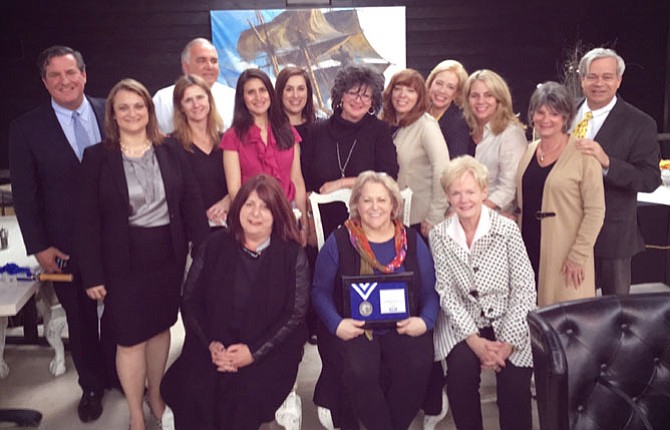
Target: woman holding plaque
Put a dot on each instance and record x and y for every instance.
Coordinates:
(374, 241)
(486, 287)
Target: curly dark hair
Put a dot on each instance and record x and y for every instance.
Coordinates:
(353, 76)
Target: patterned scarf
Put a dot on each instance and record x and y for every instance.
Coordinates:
(360, 242)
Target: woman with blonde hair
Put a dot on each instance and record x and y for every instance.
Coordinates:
(497, 132)
(422, 152)
(198, 130)
(382, 374)
(445, 89)
(486, 288)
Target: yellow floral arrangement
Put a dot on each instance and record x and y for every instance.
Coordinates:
(664, 164)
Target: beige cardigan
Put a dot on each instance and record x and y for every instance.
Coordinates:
(574, 191)
(422, 157)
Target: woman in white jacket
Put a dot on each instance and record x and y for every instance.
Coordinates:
(486, 287)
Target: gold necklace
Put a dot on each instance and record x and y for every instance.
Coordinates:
(135, 151)
(541, 153)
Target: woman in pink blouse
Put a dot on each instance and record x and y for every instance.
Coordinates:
(261, 140)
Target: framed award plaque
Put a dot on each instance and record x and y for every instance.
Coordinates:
(379, 300)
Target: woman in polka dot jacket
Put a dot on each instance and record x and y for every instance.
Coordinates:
(486, 287)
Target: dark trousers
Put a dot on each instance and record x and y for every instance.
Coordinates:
(512, 389)
(386, 377)
(613, 275)
(93, 359)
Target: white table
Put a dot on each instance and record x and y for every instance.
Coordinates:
(660, 196)
(14, 295)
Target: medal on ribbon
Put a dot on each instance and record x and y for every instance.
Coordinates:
(364, 290)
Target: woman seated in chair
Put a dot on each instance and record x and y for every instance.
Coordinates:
(381, 374)
(244, 307)
(486, 288)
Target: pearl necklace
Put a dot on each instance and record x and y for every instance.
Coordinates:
(135, 151)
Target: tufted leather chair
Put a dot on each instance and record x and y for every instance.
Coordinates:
(603, 363)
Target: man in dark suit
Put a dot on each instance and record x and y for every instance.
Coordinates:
(45, 148)
(623, 140)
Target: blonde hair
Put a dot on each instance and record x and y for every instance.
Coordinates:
(377, 178)
(182, 131)
(496, 85)
(457, 69)
(460, 166)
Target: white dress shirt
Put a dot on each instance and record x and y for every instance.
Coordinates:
(595, 123)
(224, 98)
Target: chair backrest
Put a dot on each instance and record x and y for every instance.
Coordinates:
(407, 204)
(315, 199)
(603, 363)
(343, 195)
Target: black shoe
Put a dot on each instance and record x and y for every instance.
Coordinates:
(90, 406)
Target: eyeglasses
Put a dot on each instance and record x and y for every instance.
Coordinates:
(356, 95)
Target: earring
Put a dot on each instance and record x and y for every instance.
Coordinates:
(371, 111)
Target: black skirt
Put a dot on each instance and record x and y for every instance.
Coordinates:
(144, 302)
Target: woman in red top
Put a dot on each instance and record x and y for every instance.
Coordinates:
(261, 140)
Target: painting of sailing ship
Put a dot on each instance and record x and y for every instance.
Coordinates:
(319, 40)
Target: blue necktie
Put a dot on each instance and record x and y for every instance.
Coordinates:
(80, 136)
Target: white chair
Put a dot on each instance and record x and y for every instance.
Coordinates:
(407, 205)
(316, 199)
(343, 195)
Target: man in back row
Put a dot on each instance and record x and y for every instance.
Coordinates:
(199, 58)
(624, 141)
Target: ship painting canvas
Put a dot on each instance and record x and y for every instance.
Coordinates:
(319, 40)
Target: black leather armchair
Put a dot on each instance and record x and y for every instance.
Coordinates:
(603, 363)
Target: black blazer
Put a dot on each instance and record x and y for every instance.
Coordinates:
(103, 232)
(629, 137)
(44, 175)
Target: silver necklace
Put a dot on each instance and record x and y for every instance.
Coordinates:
(339, 160)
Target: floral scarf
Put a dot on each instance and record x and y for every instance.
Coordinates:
(360, 242)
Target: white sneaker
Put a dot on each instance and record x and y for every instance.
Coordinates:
(431, 421)
(325, 418)
(167, 420)
(289, 414)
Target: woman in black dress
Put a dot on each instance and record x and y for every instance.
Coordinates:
(139, 207)
(244, 307)
(198, 129)
(445, 89)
